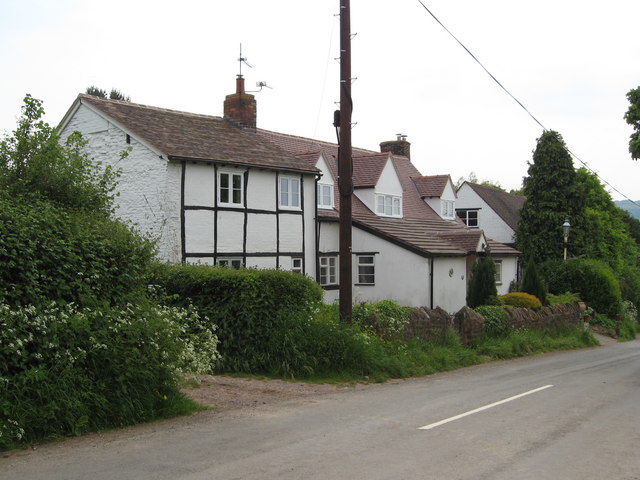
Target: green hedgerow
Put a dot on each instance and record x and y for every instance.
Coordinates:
(66, 370)
(496, 320)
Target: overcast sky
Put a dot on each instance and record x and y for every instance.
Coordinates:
(570, 62)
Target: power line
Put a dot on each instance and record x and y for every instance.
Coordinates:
(520, 103)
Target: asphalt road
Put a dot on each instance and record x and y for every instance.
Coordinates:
(567, 415)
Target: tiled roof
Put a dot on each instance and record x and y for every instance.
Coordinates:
(432, 185)
(421, 229)
(506, 205)
(367, 169)
(467, 240)
(193, 136)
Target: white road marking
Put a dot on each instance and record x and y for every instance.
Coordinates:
(486, 407)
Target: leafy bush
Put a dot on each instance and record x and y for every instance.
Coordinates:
(66, 370)
(482, 285)
(496, 320)
(261, 315)
(629, 327)
(521, 299)
(386, 318)
(47, 252)
(594, 281)
(566, 298)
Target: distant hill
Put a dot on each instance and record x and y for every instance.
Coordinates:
(630, 207)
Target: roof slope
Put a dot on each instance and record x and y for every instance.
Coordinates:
(431, 186)
(194, 136)
(420, 230)
(506, 205)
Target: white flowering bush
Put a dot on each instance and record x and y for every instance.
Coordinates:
(67, 370)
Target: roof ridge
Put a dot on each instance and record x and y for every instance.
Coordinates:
(148, 107)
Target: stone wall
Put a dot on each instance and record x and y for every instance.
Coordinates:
(433, 324)
(428, 324)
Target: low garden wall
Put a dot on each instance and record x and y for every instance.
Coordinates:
(432, 324)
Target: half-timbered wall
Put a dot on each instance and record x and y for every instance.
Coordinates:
(253, 228)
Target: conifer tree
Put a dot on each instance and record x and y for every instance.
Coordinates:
(552, 192)
(532, 282)
(482, 284)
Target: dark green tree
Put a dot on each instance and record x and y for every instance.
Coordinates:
(532, 282)
(552, 192)
(115, 94)
(482, 284)
(632, 116)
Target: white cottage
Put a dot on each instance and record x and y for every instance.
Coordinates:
(220, 191)
(209, 188)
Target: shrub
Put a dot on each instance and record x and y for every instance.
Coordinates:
(47, 252)
(386, 318)
(522, 300)
(66, 370)
(594, 281)
(496, 320)
(532, 282)
(482, 285)
(261, 315)
(629, 326)
(566, 298)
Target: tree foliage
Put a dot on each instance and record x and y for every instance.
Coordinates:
(632, 116)
(473, 178)
(34, 161)
(532, 282)
(553, 195)
(114, 94)
(482, 285)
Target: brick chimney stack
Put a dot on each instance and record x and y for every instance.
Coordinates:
(397, 147)
(240, 108)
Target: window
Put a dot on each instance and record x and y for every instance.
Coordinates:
(289, 192)
(447, 209)
(328, 274)
(230, 186)
(498, 271)
(325, 195)
(389, 205)
(230, 262)
(296, 265)
(366, 270)
(469, 217)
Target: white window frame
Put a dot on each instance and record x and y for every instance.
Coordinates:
(321, 197)
(364, 261)
(293, 199)
(447, 209)
(229, 262)
(296, 265)
(498, 264)
(328, 274)
(230, 188)
(464, 216)
(388, 205)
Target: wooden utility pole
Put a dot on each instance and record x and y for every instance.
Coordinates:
(345, 168)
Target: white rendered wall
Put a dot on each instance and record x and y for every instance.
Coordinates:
(149, 186)
(489, 221)
(509, 273)
(449, 283)
(388, 183)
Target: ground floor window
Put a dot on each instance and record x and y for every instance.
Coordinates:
(328, 271)
(230, 262)
(366, 270)
(296, 265)
(498, 271)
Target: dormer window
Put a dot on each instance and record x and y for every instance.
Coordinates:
(389, 205)
(448, 211)
(325, 195)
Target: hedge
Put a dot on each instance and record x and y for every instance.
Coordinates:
(260, 314)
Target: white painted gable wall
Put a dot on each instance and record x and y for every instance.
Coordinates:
(149, 186)
(488, 220)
